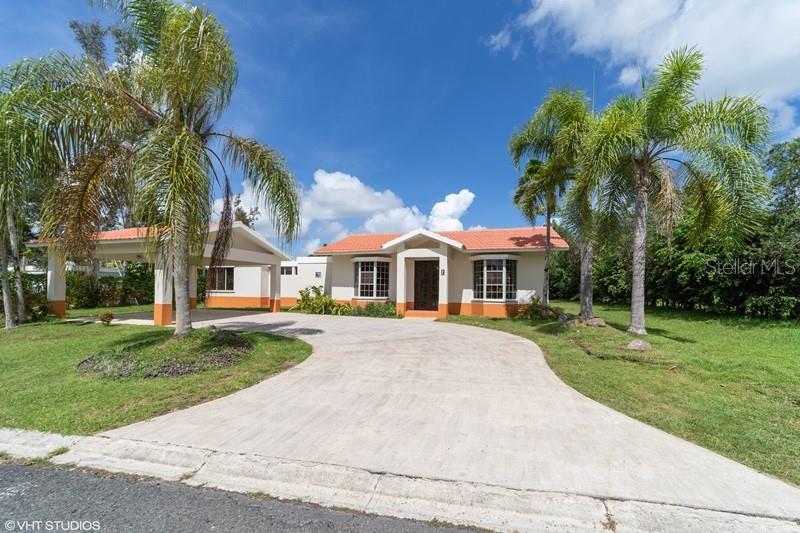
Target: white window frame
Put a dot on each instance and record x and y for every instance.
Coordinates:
(489, 257)
(374, 260)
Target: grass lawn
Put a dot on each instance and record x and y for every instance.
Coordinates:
(94, 311)
(729, 384)
(43, 389)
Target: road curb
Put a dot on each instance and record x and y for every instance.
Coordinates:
(29, 444)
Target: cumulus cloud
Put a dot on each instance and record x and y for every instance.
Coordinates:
(336, 195)
(336, 202)
(400, 219)
(748, 50)
(445, 215)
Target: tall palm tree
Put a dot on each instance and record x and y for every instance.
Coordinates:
(551, 140)
(151, 123)
(21, 165)
(537, 192)
(670, 144)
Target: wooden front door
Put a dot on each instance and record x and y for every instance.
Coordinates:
(426, 285)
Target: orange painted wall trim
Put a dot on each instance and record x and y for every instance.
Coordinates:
(490, 309)
(288, 301)
(442, 310)
(193, 303)
(421, 313)
(58, 308)
(220, 300)
(162, 314)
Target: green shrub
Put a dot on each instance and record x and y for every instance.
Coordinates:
(773, 306)
(313, 300)
(533, 311)
(106, 318)
(378, 310)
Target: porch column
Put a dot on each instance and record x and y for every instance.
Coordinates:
(162, 304)
(275, 287)
(56, 283)
(400, 284)
(192, 287)
(444, 276)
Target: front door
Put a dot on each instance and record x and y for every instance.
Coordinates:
(426, 285)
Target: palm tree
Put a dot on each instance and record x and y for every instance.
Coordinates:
(537, 192)
(21, 164)
(551, 139)
(150, 124)
(664, 144)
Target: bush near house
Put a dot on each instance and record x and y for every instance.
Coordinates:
(315, 301)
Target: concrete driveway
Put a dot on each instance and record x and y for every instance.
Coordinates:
(453, 403)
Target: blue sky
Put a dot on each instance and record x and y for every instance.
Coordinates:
(383, 109)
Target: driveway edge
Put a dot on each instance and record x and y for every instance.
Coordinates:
(383, 493)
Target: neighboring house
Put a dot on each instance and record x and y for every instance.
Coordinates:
(475, 272)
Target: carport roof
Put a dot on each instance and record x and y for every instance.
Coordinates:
(138, 235)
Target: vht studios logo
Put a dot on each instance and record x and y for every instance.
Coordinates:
(739, 267)
(52, 525)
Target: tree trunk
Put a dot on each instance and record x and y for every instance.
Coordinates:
(546, 280)
(19, 285)
(180, 276)
(587, 257)
(639, 249)
(8, 308)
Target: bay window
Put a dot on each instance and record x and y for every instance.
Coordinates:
(371, 277)
(494, 278)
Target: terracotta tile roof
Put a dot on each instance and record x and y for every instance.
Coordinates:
(473, 240)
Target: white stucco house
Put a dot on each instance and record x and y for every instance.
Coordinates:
(489, 272)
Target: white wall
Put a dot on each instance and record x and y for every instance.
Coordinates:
(310, 271)
(247, 281)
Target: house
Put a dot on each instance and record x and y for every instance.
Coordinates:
(489, 272)
(250, 275)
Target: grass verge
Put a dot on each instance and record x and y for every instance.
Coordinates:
(43, 388)
(120, 310)
(729, 384)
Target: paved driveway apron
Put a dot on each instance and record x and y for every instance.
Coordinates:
(452, 402)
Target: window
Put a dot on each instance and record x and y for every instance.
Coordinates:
(220, 279)
(494, 279)
(317, 274)
(287, 271)
(372, 279)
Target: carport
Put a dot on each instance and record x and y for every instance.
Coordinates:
(248, 249)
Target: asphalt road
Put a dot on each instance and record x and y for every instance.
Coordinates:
(75, 500)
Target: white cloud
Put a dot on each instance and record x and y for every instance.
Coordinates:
(749, 48)
(399, 219)
(337, 202)
(311, 245)
(476, 227)
(445, 215)
(629, 76)
(336, 195)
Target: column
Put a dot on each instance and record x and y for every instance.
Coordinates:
(193, 286)
(400, 284)
(444, 284)
(56, 283)
(275, 287)
(162, 304)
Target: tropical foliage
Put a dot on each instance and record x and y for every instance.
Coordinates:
(758, 277)
(147, 123)
(664, 150)
(550, 142)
